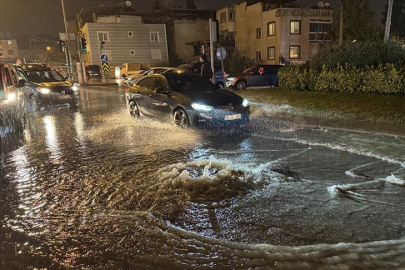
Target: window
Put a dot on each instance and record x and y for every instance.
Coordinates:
(130, 34)
(320, 31)
(271, 53)
(258, 56)
(9, 42)
(271, 31)
(21, 75)
(223, 17)
(231, 15)
(258, 33)
(294, 51)
(10, 52)
(148, 83)
(103, 36)
(132, 52)
(1, 52)
(156, 54)
(154, 36)
(295, 27)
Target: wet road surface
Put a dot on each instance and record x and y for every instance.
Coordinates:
(94, 189)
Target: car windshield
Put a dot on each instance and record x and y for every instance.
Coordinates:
(251, 70)
(183, 83)
(41, 76)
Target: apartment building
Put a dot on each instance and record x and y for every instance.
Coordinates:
(8, 50)
(274, 35)
(126, 39)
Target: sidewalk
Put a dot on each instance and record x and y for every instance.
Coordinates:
(97, 82)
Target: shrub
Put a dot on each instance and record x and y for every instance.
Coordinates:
(360, 54)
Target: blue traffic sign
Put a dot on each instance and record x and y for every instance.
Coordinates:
(221, 53)
(104, 58)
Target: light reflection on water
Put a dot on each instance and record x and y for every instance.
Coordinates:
(136, 193)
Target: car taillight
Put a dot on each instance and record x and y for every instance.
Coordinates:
(126, 90)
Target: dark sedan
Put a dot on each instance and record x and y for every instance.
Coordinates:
(45, 86)
(186, 99)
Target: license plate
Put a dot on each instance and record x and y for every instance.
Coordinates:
(233, 117)
(64, 97)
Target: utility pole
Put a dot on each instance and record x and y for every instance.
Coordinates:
(388, 21)
(67, 52)
(342, 11)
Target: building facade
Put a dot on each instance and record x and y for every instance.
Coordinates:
(279, 35)
(126, 39)
(8, 50)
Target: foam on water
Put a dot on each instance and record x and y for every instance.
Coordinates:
(395, 181)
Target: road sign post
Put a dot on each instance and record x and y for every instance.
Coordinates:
(221, 55)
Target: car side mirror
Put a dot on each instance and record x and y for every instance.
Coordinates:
(161, 90)
(21, 83)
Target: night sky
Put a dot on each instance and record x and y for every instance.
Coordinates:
(45, 16)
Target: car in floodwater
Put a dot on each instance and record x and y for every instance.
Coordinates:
(187, 100)
(130, 80)
(12, 109)
(46, 86)
(194, 67)
(260, 75)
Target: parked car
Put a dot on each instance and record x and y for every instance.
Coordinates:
(194, 67)
(155, 70)
(186, 99)
(260, 75)
(45, 87)
(12, 109)
(93, 71)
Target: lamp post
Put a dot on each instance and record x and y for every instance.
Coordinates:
(67, 52)
(388, 21)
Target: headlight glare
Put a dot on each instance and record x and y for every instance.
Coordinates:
(201, 107)
(245, 102)
(44, 90)
(75, 88)
(230, 78)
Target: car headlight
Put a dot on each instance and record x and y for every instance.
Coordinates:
(201, 107)
(230, 78)
(245, 102)
(75, 88)
(11, 96)
(44, 90)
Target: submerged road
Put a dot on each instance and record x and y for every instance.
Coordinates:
(93, 188)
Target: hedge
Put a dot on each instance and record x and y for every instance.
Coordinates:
(388, 79)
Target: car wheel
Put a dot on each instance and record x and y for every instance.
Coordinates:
(134, 109)
(241, 85)
(181, 118)
(33, 102)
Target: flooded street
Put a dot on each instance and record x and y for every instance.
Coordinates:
(95, 189)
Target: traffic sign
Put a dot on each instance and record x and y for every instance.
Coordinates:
(221, 53)
(104, 58)
(106, 68)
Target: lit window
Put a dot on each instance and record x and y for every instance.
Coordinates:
(294, 51)
(154, 36)
(258, 33)
(295, 27)
(9, 42)
(271, 31)
(258, 56)
(271, 53)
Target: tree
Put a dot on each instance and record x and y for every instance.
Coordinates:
(397, 19)
(359, 24)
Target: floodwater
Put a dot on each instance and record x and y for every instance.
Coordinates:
(94, 189)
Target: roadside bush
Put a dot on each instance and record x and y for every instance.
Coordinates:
(387, 79)
(360, 54)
